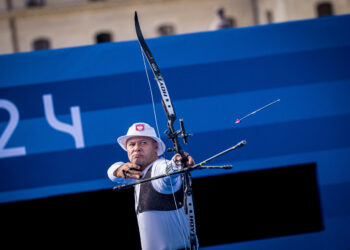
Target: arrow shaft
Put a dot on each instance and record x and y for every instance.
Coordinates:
(255, 111)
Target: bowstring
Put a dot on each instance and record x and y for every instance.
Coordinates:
(150, 89)
(157, 127)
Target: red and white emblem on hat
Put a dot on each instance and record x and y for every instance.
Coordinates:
(140, 127)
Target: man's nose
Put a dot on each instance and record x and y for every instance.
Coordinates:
(137, 147)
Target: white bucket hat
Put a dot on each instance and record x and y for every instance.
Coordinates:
(142, 129)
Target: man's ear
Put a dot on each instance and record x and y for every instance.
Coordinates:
(155, 146)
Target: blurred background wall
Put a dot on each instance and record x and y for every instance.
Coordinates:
(27, 25)
(291, 180)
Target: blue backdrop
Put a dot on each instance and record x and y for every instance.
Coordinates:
(62, 110)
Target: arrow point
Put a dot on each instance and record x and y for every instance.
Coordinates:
(237, 121)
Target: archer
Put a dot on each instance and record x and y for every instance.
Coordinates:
(159, 204)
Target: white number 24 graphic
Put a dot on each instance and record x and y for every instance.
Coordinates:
(75, 130)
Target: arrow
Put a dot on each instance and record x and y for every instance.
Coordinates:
(252, 113)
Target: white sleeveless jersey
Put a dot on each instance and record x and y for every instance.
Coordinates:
(160, 229)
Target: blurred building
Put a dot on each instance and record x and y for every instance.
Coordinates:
(27, 25)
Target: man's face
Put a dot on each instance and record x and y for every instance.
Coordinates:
(142, 150)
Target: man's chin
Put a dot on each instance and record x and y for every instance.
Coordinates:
(143, 162)
(139, 161)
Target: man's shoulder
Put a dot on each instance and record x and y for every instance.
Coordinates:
(160, 162)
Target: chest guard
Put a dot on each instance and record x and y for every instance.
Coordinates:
(150, 199)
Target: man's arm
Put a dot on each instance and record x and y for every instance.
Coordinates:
(171, 183)
(112, 169)
(120, 170)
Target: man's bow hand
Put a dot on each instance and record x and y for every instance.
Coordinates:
(178, 160)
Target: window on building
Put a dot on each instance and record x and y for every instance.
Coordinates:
(166, 29)
(269, 16)
(324, 9)
(35, 3)
(103, 37)
(41, 43)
